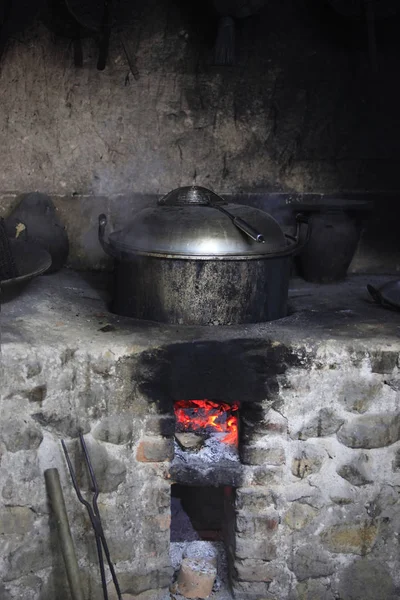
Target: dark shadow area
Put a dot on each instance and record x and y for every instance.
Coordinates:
(236, 370)
(203, 506)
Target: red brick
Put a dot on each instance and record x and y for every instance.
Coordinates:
(155, 449)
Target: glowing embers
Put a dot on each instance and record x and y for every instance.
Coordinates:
(206, 417)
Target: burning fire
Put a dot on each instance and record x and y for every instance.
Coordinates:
(206, 415)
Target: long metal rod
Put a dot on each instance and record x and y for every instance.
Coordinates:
(97, 514)
(56, 496)
(95, 519)
(92, 520)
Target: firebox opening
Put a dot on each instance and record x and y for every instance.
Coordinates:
(207, 422)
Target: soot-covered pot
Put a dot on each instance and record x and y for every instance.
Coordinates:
(195, 259)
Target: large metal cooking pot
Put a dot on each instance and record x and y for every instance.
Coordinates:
(196, 260)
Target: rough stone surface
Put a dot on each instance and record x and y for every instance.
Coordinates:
(16, 520)
(354, 539)
(262, 455)
(155, 449)
(304, 529)
(299, 516)
(313, 590)
(251, 548)
(19, 436)
(307, 461)
(357, 472)
(371, 431)
(253, 569)
(368, 580)
(257, 525)
(254, 500)
(189, 441)
(117, 429)
(311, 561)
(324, 423)
(110, 472)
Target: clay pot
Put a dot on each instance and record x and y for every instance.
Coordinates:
(330, 248)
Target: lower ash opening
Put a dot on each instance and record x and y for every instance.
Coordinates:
(202, 531)
(197, 512)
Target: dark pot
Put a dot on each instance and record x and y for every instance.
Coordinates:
(198, 260)
(330, 248)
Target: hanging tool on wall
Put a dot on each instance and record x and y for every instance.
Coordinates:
(94, 515)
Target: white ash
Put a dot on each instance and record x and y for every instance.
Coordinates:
(213, 451)
(179, 549)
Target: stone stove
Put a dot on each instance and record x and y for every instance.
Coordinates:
(310, 502)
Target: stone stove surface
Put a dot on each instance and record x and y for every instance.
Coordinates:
(315, 508)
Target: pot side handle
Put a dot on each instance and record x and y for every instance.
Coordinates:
(108, 249)
(300, 239)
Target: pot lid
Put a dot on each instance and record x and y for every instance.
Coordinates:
(194, 222)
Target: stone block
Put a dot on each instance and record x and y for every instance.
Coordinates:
(299, 516)
(265, 476)
(30, 558)
(257, 525)
(350, 539)
(110, 472)
(262, 455)
(251, 590)
(116, 429)
(37, 394)
(356, 472)
(276, 423)
(366, 579)
(20, 434)
(196, 578)
(160, 594)
(371, 431)
(69, 425)
(16, 520)
(253, 569)
(136, 583)
(254, 499)
(251, 548)
(311, 561)
(358, 395)
(313, 590)
(383, 361)
(324, 423)
(163, 425)
(155, 449)
(306, 461)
